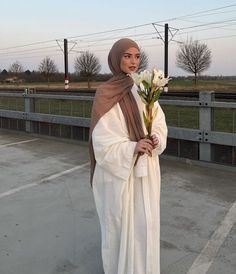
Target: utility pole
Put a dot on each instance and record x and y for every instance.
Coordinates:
(166, 55)
(66, 64)
(166, 40)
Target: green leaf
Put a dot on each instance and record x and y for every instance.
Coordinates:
(143, 96)
(157, 96)
(145, 84)
(143, 100)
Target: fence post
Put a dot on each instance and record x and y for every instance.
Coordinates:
(205, 123)
(29, 107)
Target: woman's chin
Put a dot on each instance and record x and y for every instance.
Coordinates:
(132, 71)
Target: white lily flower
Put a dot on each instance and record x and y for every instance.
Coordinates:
(150, 84)
(146, 76)
(159, 80)
(136, 77)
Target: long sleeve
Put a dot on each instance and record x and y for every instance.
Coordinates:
(113, 150)
(160, 129)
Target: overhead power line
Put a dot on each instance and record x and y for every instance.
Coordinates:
(208, 24)
(98, 40)
(27, 51)
(208, 14)
(218, 37)
(122, 29)
(205, 11)
(28, 45)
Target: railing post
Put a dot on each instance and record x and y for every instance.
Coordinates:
(29, 107)
(205, 123)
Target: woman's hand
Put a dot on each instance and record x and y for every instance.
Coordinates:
(144, 146)
(155, 141)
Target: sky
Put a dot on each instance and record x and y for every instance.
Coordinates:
(31, 30)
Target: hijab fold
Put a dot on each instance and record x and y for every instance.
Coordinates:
(116, 90)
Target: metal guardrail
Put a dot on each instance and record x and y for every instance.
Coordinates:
(204, 135)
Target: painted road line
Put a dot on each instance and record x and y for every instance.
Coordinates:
(203, 262)
(44, 180)
(18, 143)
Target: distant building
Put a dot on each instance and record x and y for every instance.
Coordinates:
(13, 80)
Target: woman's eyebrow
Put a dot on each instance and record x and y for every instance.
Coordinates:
(131, 53)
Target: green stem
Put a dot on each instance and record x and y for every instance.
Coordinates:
(149, 118)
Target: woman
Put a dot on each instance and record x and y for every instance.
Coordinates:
(127, 195)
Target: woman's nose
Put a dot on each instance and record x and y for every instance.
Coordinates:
(133, 60)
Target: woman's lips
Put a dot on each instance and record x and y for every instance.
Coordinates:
(132, 68)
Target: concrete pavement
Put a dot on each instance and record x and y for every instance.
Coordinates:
(48, 221)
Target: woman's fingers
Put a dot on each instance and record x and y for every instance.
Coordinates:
(155, 141)
(147, 141)
(142, 147)
(146, 145)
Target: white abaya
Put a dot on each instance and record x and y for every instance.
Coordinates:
(127, 198)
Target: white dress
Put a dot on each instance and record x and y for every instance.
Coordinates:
(127, 198)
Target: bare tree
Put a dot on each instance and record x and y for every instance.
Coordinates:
(144, 60)
(48, 67)
(15, 68)
(193, 57)
(88, 65)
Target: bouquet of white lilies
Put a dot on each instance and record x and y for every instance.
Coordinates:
(150, 85)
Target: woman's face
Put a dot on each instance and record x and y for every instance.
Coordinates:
(130, 60)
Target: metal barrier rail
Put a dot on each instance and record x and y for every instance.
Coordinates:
(205, 136)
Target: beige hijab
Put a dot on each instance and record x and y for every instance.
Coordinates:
(116, 90)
